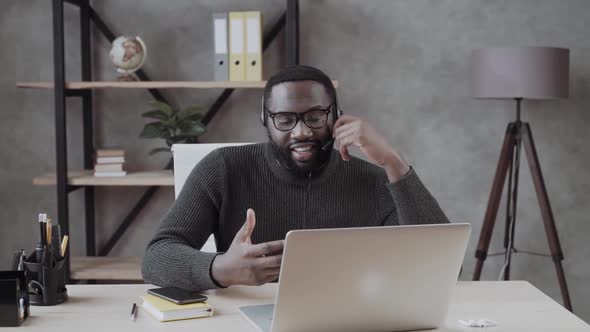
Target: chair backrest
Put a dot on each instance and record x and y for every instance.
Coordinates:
(186, 156)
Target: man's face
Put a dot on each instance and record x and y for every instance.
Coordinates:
(300, 147)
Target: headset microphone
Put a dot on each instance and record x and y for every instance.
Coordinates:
(337, 114)
(326, 146)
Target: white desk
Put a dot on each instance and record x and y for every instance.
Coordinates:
(514, 305)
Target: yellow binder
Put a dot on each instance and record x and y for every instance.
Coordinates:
(237, 54)
(253, 46)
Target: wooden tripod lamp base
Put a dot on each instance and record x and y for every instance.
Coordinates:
(514, 132)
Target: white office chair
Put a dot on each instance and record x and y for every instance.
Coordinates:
(186, 156)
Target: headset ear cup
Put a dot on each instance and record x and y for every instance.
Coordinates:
(262, 118)
(262, 115)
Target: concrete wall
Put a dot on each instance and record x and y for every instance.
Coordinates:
(401, 64)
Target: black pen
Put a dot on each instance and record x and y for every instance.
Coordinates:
(133, 313)
(42, 219)
(44, 257)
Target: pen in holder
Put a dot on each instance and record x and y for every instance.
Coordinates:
(47, 285)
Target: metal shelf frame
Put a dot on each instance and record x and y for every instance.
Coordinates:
(289, 19)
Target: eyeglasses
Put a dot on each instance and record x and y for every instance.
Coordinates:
(314, 119)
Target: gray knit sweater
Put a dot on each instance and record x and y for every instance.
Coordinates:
(227, 182)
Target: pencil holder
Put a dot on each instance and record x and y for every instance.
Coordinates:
(47, 285)
(14, 298)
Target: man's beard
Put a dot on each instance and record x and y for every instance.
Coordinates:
(302, 169)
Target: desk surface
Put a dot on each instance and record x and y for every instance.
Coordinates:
(514, 305)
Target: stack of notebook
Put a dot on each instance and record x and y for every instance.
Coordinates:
(109, 162)
(164, 310)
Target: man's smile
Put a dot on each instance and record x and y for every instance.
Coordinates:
(303, 152)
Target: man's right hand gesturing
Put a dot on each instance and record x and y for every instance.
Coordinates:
(245, 263)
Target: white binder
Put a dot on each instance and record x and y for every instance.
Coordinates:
(220, 40)
(253, 46)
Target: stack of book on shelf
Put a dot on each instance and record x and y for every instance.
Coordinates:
(109, 162)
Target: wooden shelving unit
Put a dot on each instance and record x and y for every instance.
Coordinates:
(86, 178)
(105, 268)
(93, 267)
(80, 85)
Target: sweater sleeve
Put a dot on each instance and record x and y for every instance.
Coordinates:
(412, 203)
(172, 257)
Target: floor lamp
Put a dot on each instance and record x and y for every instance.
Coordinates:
(519, 73)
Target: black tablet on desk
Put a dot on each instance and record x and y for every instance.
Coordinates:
(177, 295)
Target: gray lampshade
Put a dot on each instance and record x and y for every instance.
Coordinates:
(520, 72)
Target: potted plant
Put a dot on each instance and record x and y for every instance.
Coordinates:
(173, 125)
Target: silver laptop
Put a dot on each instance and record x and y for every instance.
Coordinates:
(390, 278)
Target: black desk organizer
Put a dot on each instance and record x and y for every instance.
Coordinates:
(47, 285)
(14, 298)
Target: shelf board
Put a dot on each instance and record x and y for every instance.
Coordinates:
(150, 85)
(105, 268)
(86, 178)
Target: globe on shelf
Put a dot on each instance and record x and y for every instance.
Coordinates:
(128, 55)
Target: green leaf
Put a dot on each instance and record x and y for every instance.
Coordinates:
(162, 106)
(155, 114)
(185, 125)
(171, 123)
(158, 150)
(194, 130)
(192, 110)
(193, 117)
(151, 130)
(193, 113)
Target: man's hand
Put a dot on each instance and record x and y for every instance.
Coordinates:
(245, 263)
(351, 130)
